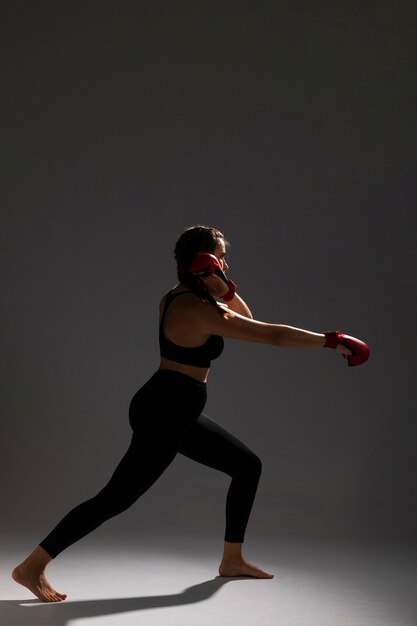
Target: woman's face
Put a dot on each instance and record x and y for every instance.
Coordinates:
(220, 253)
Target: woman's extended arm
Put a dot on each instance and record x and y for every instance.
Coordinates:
(240, 327)
(280, 335)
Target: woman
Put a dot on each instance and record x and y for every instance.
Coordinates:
(166, 413)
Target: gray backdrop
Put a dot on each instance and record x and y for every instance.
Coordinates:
(290, 126)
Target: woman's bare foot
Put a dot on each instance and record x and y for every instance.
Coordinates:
(241, 567)
(233, 563)
(36, 583)
(31, 574)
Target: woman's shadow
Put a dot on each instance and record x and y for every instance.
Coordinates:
(37, 613)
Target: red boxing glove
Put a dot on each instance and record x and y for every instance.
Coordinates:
(360, 350)
(205, 264)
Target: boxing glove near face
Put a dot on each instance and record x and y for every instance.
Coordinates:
(360, 350)
(205, 264)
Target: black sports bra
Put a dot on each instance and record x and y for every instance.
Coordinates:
(200, 356)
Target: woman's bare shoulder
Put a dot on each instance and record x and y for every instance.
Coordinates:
(183, 303)
(234, 325)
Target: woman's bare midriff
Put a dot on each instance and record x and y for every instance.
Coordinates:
(199, 373)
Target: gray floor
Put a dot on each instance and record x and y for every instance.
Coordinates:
(165, 581)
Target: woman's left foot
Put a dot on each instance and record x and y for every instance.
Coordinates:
(241, 567)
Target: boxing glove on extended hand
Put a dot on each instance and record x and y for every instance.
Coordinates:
(360, 350)
(205, 264)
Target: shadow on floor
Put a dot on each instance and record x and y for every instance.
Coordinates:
(37, 613)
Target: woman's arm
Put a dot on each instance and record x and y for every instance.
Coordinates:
(241, 326)
(238, 305)
(238, 326)
(280, 335)
(217, 288)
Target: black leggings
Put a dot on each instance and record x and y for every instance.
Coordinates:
(166, 417)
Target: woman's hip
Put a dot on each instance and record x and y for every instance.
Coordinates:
(168, 398)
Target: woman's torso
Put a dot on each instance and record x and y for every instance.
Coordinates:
(183, 337)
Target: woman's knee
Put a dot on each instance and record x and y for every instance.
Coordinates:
(250, 465)
(256, 464)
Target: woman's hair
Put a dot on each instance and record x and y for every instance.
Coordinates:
(193, 240)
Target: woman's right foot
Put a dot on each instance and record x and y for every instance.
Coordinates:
(240, 567)
(36, 582)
